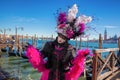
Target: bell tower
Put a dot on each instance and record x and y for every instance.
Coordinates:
(105, 34)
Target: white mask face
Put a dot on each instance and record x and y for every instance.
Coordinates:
(61, 40)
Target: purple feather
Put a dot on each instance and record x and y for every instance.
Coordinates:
(82, 27)
(62, 18)
(69, 33)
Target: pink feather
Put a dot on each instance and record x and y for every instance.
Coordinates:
(78, 65)
(37, 61)
(35, 58)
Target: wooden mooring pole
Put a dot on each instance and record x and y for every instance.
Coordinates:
(119, 43)
(100, 41)
(80, 46)
(26, 38)
(76, 44)
(95, 59)
(119, 48)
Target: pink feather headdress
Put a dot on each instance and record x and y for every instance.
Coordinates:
(71, 26)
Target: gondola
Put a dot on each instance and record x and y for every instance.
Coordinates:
(3, 50)
(11, 53)
(25, 57)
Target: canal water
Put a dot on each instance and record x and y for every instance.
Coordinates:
(18, 68)
(21, 69)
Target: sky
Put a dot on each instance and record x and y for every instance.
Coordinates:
(39, 16)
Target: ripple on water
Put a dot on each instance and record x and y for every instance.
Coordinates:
(18, 68)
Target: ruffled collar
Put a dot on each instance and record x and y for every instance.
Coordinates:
(58, 48)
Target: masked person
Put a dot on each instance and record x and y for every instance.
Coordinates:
(59, 60)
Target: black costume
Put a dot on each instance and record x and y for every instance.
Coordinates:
(59, 58)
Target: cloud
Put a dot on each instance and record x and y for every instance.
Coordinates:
(111, 27)
(24, 19)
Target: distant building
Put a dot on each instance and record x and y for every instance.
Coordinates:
(105, 34)
(111, 39)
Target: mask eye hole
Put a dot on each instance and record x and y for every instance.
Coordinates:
(61, 36)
